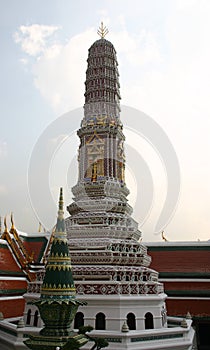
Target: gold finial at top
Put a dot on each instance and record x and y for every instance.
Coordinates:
(102, 31)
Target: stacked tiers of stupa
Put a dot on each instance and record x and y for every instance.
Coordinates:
(103, 237)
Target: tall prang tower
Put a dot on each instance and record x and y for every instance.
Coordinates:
(100, 195)
(103, 237)
(110, 266)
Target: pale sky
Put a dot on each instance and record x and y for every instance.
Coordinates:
(163, 51)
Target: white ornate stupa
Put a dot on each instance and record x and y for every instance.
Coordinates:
(125, 300)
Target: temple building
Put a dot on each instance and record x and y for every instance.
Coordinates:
(21, 254)
(124, 300)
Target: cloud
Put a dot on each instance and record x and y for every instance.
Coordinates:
(56, 142)
(3, 149)
(59, 74)
(24, 61)
(33, 38)
(59, 71)
(3, 190)
(141, 48)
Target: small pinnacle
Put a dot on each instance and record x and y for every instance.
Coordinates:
(188, 316)
(21, 323)
(125, 327)
(184, 323)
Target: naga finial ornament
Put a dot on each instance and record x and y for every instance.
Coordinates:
(102, 31)
(12, 222)
(5, 224)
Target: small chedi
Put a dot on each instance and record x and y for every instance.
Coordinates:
(58, 303)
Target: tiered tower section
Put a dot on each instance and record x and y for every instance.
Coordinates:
(100, 196)
(103, 237)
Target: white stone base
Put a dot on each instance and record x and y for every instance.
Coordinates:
(176, 338)
(117, 307)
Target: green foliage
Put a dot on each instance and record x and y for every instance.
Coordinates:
(71, 345)
(99, 343)
(84, 329)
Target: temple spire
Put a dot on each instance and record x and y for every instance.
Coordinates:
(58, 303)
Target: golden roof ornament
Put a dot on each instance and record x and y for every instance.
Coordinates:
(6, 232)
(102, 31)
(40, 227)
(5, 225)
(164, 237)
(12, 222)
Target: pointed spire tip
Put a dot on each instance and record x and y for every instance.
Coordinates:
(61, 199)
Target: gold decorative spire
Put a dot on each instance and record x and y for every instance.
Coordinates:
(102, 31)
